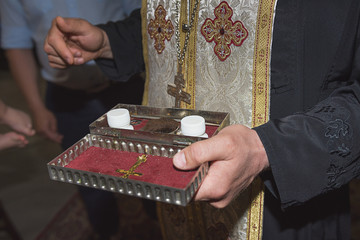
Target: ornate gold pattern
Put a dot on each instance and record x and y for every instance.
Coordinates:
(223, 31)
(200, 218)
(145, 100)
(160, 29)
(261, 102)
(190, 60)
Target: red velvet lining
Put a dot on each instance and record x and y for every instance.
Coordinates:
(156, 170)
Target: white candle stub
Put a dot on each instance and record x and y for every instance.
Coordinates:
(193, 126)
(119, 118)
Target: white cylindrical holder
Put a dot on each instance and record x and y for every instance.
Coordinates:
(193, 126)
(119, 118)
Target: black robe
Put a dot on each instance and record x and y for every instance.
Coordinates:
(313, 137)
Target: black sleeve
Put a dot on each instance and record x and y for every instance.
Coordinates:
(314, 152)
(318, 150)
(126, 44)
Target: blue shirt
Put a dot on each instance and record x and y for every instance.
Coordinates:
(25, 23)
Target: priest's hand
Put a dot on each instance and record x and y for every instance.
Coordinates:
(236, 156)
(74, 41)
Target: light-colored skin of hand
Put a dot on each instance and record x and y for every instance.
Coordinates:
(46, 124)
(12, 139)
(74, 41)
(18, 121)
(24, 70)
(236, 156)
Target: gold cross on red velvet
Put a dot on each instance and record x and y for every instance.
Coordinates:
(160, 29)
(223, 31)
(141, 159)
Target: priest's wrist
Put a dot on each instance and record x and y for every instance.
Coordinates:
(105, 50)
(263, 161)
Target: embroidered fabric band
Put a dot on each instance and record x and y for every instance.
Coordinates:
(261, 103)
(239, 85)
(189, 70)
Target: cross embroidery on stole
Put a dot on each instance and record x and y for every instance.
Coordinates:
(160, 29)
(223, 31)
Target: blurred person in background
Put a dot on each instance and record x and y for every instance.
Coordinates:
(74, 97)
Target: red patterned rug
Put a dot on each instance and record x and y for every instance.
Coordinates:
(71, 222)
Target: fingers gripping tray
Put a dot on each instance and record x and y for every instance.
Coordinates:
(137, 162)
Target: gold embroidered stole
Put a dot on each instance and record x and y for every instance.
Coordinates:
(241, 87)
(261, 103)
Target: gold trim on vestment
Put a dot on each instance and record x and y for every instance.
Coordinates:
(144, 23)
(260, 107)
(189, 70)
(261, 104)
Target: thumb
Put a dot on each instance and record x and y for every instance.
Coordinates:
(67, 25)
(56, 44)
(198, 153)
(73, 27)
